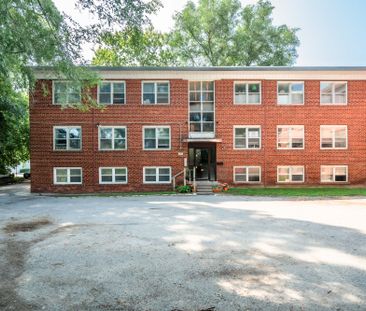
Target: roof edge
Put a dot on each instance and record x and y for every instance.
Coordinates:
(212, 68)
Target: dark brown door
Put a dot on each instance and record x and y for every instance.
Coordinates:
(202, 163)
(202, 159)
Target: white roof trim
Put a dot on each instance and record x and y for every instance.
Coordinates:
(222, 75)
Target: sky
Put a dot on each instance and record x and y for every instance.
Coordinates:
(332, 32)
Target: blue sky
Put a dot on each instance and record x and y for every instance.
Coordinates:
(332, 32)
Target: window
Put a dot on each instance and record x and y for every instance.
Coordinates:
(67, 138)
(247, 174)
(247, 137)
(155, 93)
(290, 137)
(65, 92)
(201, 109)
(112, 138)
(111, 93)
(157, 175)
(290, 174)
(156, 137)
(330, 173)
(333, 93)
(247, 93)
(113, 175)
(333, 136)
(67, 175)
(290, 93)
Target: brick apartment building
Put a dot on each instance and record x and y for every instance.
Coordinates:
(241, 125)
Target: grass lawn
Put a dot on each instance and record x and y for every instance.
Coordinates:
(298, 192)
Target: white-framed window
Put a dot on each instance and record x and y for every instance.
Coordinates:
(289, 174)
(290, 93)
(334, 173)
(247, 137)
(290, 137)
(112, 138)
(155, 92)
(247, 174)
(333, 93)
(157, 174)
(67, 138)
(333, 137)
(67, 175)
(111, 92)
(156, 137)
(66, 92)
(113, 175)
(201, 109)
(247, 93)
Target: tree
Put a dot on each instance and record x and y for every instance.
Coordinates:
(222, 33)
(14, 128)
(34, 32)
(135, 47)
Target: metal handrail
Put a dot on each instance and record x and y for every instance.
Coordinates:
(176, 175)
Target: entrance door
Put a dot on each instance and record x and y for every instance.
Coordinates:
(202, 159)
(202, 163)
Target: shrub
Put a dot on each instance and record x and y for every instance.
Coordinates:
(184, 189)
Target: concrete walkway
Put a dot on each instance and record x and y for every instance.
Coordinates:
(181, 253)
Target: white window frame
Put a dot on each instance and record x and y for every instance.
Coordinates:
(112, 127)
(333, 103)
(291, 167)
(290, 92)
(113, 168)
(247, 175)
(247, 129)
(290, 137)
(112, 82)
(54, 93)
(68, 127)
(68, 176)
(202, 134)
(333, 175)
(247, 93)
(333, 137)
(156, 137)
(157, 174)
(155, 92)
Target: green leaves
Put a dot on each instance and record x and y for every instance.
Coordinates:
(135, 47)
(34, 32)
(222, 33)
(210, 33)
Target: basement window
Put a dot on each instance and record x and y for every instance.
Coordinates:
(334, 173)
(67, 175)
(113, 175)
(288, 174)
(157, 175)
(247, 174)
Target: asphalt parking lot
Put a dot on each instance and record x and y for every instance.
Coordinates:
(180, 253)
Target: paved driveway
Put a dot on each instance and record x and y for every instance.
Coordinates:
(180, 253)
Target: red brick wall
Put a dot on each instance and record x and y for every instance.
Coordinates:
(133, 115)
(44, 115)
(311, 115)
